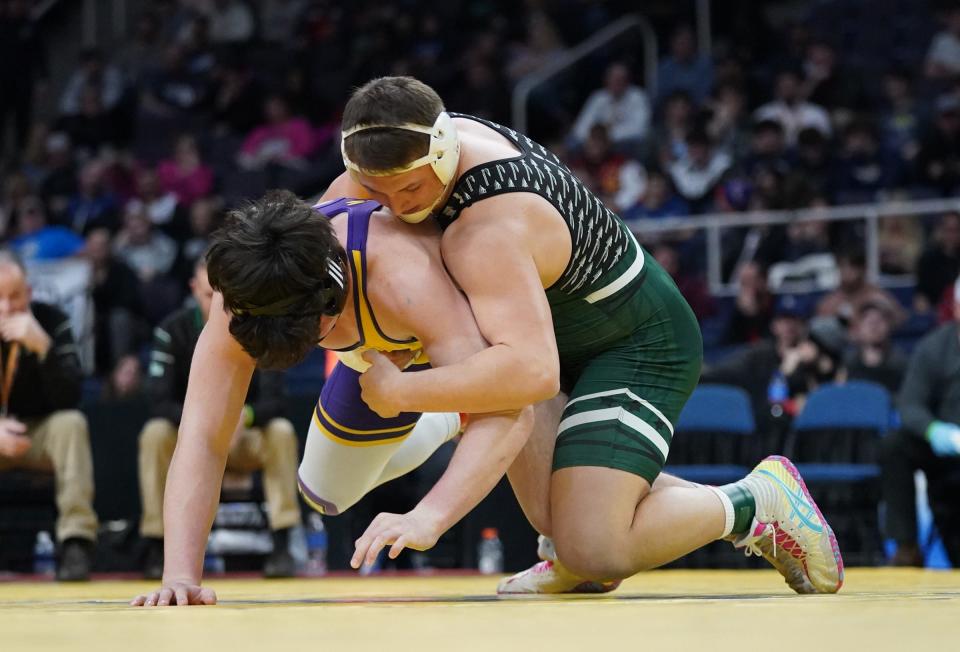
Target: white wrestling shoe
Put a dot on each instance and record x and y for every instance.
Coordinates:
(789, 531)
(549, 576)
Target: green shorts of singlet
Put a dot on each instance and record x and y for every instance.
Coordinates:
(624, 402)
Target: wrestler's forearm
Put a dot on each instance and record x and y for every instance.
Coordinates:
(488, 447)
(496, 379)
(218, 384)
(189, 506)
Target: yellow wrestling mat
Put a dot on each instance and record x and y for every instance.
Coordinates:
(878, 609)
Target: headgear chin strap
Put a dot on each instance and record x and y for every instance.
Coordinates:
(443, 157)
(331, 290)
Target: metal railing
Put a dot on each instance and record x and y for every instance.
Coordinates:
(523, 89)
(714, 223)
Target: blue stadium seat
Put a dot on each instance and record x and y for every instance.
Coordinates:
(712, 438)
(835, 445)
(856, 404)
(718, 408)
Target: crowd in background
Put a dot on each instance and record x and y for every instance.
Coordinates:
(209, 102)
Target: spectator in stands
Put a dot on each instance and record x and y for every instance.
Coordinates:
(698, 173)
(198, 46)
(141, 54)
(753, 308)
(791, 110)
(93, 73)
(118, 325)
(902, 119)
(33, 163)
(760, 370)
(855, 291)
(185, 175)
(23, 69)
(285, 139)
(42, 428)
(929, 440)
(173, 91)
(692, 285)
(939, 264)
(943, 57)
(16, 188)
(151, 254)
(92, 127)
(729, 123)
(659, 200)
(36, 240)
(817, 360)
(617, 180)
(160, 204)
(670, 137)
(684, 69)
(60, 181)
(205, 216)
(620, 106)
(542, 44)
(263, 439)
(938, 160)
(768, 149)
(93, 206)
(171, 16)
(803, 255)
(900, 239)
(874, 356)
(236, 99)
(231, 22)
(280, 19)
(484, 91)
(825, 83)
(813, 160)
(862, 168)
(125, 381)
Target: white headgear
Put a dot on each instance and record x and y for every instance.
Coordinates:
(443, 157)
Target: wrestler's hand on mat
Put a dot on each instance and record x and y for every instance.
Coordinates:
(379, 384)
(415, 530)
(176, 594)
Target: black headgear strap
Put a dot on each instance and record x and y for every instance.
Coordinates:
(331, 290)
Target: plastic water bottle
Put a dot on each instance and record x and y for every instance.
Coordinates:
(778, 393)
(490, 552)
(43, 554)
(316, 545)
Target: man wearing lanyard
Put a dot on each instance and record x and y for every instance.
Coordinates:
(40, 427)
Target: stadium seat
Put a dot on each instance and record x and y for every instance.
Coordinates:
(834, 442)
(856, 404)
(713, 435)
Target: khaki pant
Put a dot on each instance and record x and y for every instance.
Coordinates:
(61, 444)
(272, 449)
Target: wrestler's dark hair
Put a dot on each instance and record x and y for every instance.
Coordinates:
(270, 261)
(389, 100)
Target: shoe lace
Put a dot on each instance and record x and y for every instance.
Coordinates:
(752, 547)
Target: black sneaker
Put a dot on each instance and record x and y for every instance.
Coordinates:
(153, 559)
(76, 557)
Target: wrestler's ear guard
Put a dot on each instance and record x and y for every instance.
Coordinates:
(443, 155)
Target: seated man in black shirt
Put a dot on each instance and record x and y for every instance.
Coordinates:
(262, 441)
(40, 427)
